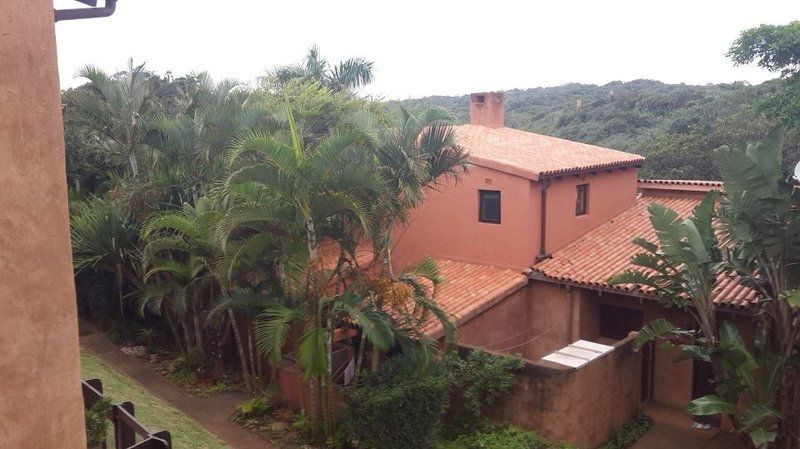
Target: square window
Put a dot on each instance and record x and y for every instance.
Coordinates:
(581, 202)
(489, 210)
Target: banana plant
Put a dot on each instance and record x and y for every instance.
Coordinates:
(746, 388)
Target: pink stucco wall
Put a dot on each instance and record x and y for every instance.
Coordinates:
(610, 193)
(446, 225)
(41, 405)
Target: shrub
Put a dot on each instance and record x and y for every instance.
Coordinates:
(502, 438)
(255, 407)
(629, 433)
(478, 381)
(97, 423)
(399, 407)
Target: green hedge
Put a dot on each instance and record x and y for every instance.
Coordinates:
(399, 407)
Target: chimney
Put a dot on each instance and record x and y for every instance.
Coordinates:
(486, 109)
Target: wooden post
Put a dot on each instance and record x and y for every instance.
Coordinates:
(125, 436)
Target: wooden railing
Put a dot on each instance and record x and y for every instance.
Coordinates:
(126, 426)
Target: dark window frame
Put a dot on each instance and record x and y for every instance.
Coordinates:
(483, 219)
(582, 190)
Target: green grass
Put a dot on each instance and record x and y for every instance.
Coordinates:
(151, 411)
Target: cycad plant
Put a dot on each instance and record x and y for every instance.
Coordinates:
(105, 238)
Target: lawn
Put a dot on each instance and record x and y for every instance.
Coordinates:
(151, 411)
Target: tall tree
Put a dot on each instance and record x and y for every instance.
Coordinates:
(306, 186)
(349, 74)
(119, 108)
(777, 49)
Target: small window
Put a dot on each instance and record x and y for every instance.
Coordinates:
(582, 199)
(480, 99)
(489, 206)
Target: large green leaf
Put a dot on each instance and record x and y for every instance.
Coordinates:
(271, 328)
(710, 405)
(655, 329)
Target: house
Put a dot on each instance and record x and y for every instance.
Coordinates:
(526, 242)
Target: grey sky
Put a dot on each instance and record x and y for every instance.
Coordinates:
(429, 47)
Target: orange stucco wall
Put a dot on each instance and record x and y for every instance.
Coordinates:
(534, 321)
(581, 406)
(40, 397)
(609, 194)
(446, 225)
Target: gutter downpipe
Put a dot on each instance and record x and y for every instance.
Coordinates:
(543, 226)
(86, 13)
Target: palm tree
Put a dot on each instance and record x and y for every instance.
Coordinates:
(191, 235)
(347, 75)
(283, 183)
(118, 108)
(105, 238)
(415, 154)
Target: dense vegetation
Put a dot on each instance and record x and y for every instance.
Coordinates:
(201, 210)
(676, 126)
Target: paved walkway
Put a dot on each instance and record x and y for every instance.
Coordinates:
(213, 412)
(672, 429)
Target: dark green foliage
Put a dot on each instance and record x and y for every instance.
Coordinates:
(477, 381)
(629, 433)
(406, 402)
(676, 126)
(774, 47)
(96, 422)
(777, 49)
(400, 407)
(502, 438)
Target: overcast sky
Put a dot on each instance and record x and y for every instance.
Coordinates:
(429, 47)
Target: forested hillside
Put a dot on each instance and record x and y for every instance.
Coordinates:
(676, 126)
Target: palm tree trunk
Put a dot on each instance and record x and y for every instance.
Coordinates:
(187, 333)
(242, 355)
(789, 408)
(118, 269)
(198, 330)
(256, 382)
(175, 333)
(132, 158)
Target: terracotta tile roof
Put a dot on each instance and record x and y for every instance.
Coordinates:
(607, 250)
(329, 253)
(534, 156)
(679, 185)
(469, 289)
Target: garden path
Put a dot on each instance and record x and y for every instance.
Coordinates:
(214, 412)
